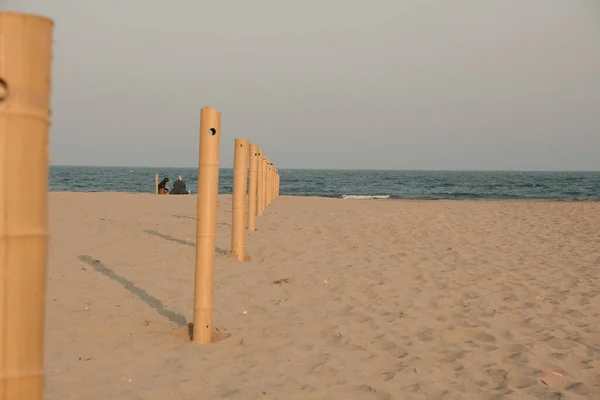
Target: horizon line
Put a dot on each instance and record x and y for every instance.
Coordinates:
(337, 169)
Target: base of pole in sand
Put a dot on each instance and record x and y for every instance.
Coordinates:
(187, 333)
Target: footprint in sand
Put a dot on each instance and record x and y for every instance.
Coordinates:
(559, 344)
(311, 363)
(517, 358)
(369, 392)
(426, 335)
(485, 337)
(393, 349)
(458, 336)
(453, 357)
(579, 388)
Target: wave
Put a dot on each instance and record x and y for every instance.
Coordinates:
(364, 197)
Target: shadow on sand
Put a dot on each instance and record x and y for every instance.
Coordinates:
(184, 242)
(151, 301)
(147, 298)
(184, 216)
(194, 218)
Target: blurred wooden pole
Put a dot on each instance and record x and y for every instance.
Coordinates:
(274, 183)
(270, 183)
(252, 186)
(156, 184)
(273, 173)
(238, 202)
(267, 203)
(206, 222)
(261, 183)
(267, 171)
(25, 86)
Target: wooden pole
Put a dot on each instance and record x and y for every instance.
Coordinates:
(260, 204)
(25, 86)
(240, 186)
(252, 186)
(270, 187)
(267, 182)
(206, 222)
(276, 183)
(267, 169)
(273, 184)
(156, 184)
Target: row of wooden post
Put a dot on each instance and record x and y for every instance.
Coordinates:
(255, 186)
(25, 78)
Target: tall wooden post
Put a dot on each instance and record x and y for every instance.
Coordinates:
(240, 185)
(267, 169)
(270, 186)
(268, 202)
(252, 186)
(274, 173)
(206, 222)
(260, 205)
(25, 86)
(275, 183)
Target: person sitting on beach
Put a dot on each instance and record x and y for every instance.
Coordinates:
(162, 186)
(179, 187)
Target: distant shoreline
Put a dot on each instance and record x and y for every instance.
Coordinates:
(408, 200)
(358, 184)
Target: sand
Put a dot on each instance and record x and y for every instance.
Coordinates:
(343, 299)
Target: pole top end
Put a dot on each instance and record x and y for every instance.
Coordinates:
(14, 14)
(210, 109)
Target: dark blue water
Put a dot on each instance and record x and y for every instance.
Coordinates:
(432, 185)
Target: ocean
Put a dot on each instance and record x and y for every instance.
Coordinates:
(360, 184)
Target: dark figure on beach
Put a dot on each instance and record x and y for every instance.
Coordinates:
(179, 187)
(162, 186)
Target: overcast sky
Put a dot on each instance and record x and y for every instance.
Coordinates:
(411, 84)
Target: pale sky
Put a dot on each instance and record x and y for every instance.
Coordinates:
(407, 84)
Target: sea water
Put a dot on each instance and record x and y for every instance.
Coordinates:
(348, 184)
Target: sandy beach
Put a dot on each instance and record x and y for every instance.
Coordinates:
(342, 299)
